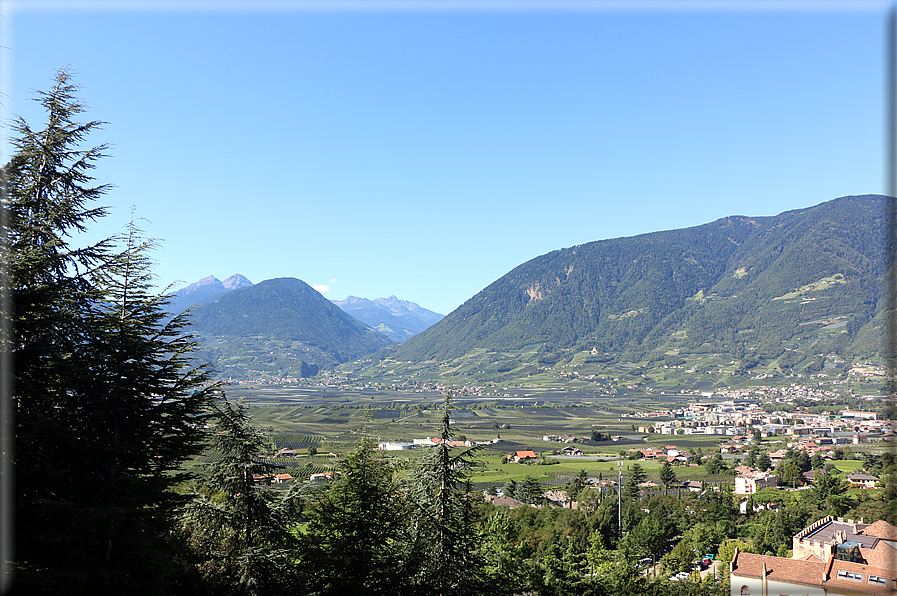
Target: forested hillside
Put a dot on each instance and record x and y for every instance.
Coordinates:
(808, 280)
(280, 327)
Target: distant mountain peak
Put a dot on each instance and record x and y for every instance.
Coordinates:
(206, 290)
(351, 300)
(203, 284)
(396, 318)
(236, 281)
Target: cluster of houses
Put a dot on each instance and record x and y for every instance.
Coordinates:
(749, 481)
(271, 478)
(670, 453)
(831, 556)
(529, 456)
(736, 419)
(429, 442)
(563, 439)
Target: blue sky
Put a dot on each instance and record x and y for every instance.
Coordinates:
(426, 149)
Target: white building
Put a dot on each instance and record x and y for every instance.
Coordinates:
(389, 446)
(749, 484)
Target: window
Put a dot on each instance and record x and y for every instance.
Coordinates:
(745, 591)
(878, 580)
(850, 575)
(849, 551)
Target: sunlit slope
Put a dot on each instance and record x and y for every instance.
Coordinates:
(271, 328)
(808, 280)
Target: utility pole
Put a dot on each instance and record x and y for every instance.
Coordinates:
(620, 498)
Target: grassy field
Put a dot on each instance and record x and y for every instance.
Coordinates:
(336, 420)
(848, 466)
(339, 417)
(567, 467)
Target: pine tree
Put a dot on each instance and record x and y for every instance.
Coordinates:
(356, 541)
(636, 476)
(448, 537)
(532, 490)
(236, 528)
(103, 388)
(667, 476)
(576, 484)
(511, 489)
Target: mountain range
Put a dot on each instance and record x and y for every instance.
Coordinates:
(279, 327)
(395, 318)
(797, 291)
(206, 290)
(283, 327)
(785, 289)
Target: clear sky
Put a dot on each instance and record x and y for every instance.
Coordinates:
(425, 149)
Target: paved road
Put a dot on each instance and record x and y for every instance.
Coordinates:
(710, 570)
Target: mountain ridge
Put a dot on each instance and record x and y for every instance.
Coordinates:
(396, 318)
(207, 289)
(280, 327)
(724, 286)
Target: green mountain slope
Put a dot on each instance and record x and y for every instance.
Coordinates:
(280, 327)
(807, 280)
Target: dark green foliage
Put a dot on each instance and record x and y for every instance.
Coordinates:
(576, 484)
(531, 490)
(739, 285)
(357, 541)
(775, 530)
(106, 403)
(716, 465)
(447, 534)
(600, 436)
(635, 477)
(667, 475)
(511, 489)
(235, 529)
(829, 489)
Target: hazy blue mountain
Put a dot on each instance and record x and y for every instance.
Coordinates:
(206, 290)
(791, 286)
(395, 318)
(280, 327)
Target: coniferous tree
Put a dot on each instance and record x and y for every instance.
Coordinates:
(576, 484)
(667, 476)
(504, 559)
(236, 528)
(103, 388)
(447, 537)
(636, 477)
(532, 490)
(716, 464)
(356, 539)
(511, 488)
